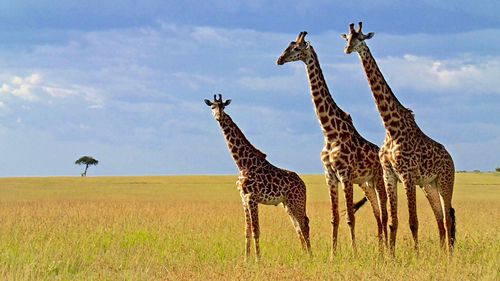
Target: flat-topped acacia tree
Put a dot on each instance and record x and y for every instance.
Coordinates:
(87, 161)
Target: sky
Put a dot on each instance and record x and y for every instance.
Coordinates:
(124, 81)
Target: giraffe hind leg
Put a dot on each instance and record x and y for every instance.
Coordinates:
(432, 195)
(301, 224)
(412, 208)
(351, 221)
(372, 198)
(445, 188)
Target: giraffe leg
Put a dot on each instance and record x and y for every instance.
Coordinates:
(302, 218)
(382, 200)
(431, 192)
(390, 182)
(300, 221)
(305, 232)
(372, 198)
(248, 220)
(332, 183)
(349, 203)
(412, 207)
(445, 188)
(254, 214)
(248, 231)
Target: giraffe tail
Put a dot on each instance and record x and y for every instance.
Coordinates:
(453, 226)
(359, 204)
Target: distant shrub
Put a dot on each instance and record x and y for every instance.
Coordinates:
(497, 169)
(462, 171)
(476, 171)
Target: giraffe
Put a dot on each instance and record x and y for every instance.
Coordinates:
(261, 182)
(347, 157)
(407, 154)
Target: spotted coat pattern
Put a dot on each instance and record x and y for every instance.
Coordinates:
(260, 182)
(407, 154)
(347, 157)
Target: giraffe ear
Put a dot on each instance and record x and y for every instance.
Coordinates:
(308, 44)
(208, 102)
(369, 35)
(227, 102)
(343, 35)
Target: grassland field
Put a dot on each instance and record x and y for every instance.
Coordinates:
(192, 228)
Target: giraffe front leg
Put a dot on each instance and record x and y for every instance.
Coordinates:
(245, 198)
(332, 183)
(349, 203)
(382, 200)
(390, 182)
(254, 214)
(335, 218)
(248, 231)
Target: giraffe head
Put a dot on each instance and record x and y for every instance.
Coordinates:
(355, 38)
(296, 50)
(218, 106)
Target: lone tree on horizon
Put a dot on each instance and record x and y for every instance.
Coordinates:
(87, 161)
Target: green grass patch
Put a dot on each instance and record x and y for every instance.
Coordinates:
(192, 228)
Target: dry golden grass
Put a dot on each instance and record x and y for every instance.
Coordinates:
(191, 228)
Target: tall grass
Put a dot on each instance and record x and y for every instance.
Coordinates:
(192, 228)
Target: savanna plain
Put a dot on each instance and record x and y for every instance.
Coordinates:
(192, 228)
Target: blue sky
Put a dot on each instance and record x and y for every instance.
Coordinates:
(124, 81)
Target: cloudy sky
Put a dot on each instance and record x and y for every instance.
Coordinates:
(124, 81)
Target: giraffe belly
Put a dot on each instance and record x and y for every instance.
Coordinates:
(425, 179)
(419, 178)
(271, 200)
(363, 179)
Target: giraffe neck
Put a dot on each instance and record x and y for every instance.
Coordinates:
(332, 118)
(392, 112)
(245, 155)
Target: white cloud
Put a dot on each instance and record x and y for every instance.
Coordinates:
(25, 92)
(456, 76)
(191, 80)
(297, 80)
(90, 94)
(58, 92)
(34, 78)
(206, 34)
(23, 88)
(470, 76)
(5, 88)
(33, 88)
